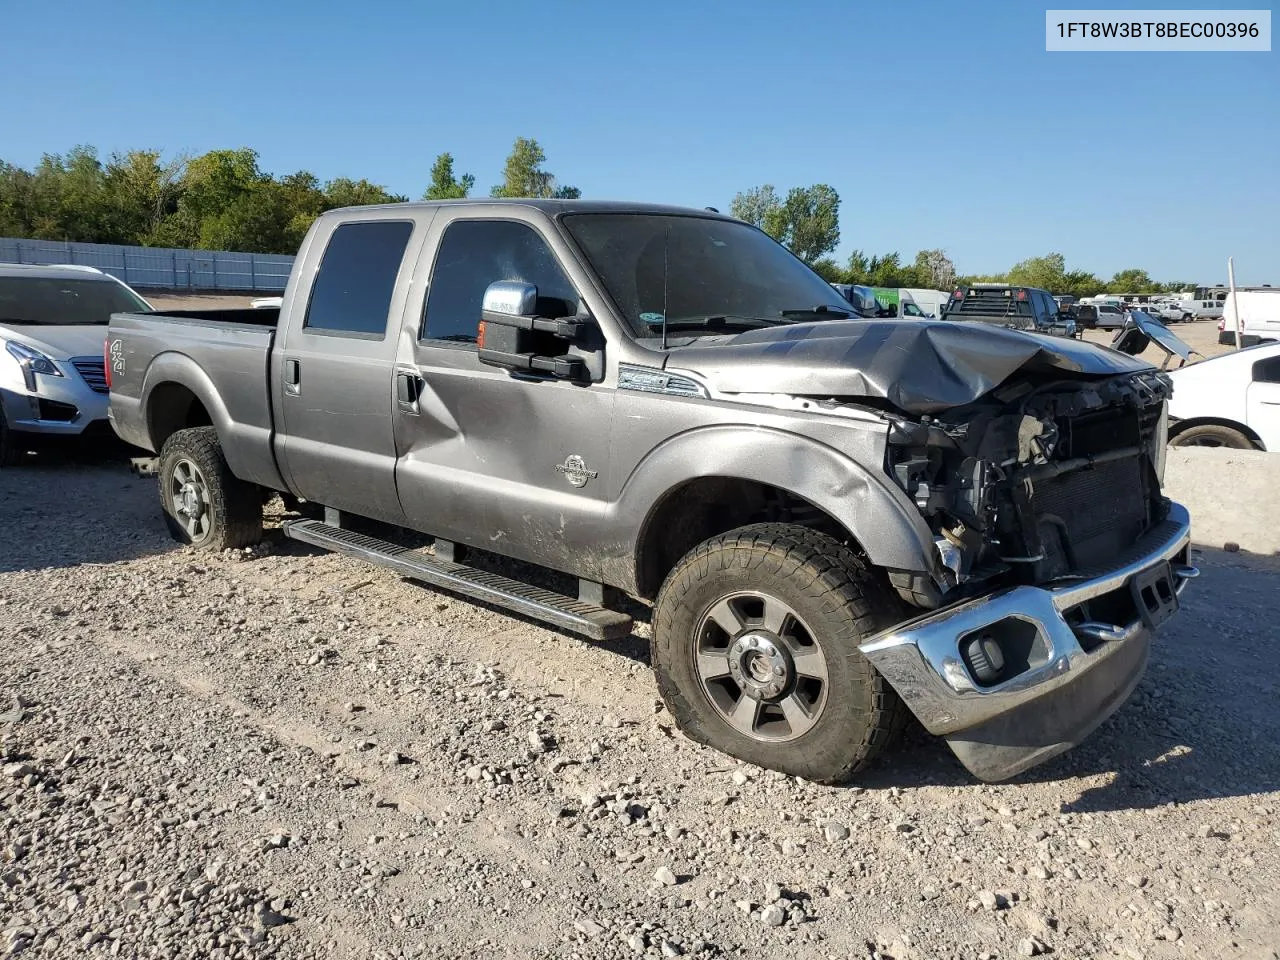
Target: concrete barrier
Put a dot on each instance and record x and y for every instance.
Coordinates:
(1233, 496)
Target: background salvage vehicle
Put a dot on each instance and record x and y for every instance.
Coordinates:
(1232, 400)
(53, 321)
(837, 520)
(1019, 308)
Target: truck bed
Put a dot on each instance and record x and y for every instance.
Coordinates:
(220, 357)
(248, 316)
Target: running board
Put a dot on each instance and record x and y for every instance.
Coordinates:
(587, 619)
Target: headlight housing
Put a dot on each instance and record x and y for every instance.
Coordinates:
(31, 361)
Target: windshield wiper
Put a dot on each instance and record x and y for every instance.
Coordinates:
(722, 322)
(822, 310)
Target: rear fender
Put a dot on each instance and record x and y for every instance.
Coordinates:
(247, 448)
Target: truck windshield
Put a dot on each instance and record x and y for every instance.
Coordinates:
(692, 270)
(55, 302)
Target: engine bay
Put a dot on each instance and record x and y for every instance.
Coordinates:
(1035, 481)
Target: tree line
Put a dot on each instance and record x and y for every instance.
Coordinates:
(807, 220)
(223, 200)
(220, 200)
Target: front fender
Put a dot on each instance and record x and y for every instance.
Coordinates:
(876, 514)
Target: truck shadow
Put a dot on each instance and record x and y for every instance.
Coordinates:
(57, 492)
(1201, 725)
(632, 647)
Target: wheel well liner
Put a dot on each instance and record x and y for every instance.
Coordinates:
(172, 407)
(705, 507)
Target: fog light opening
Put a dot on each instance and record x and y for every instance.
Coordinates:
(985, 658)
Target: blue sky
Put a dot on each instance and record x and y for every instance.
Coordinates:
(941, 124)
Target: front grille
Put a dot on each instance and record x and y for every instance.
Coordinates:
(1092, 514)
(93, 371)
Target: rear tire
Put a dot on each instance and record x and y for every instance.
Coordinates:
(1212, 435)
(205, 504)
(755, 648)
(10, 451)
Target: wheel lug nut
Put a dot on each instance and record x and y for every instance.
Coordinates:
(777, 671)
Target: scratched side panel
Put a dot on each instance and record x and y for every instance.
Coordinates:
(479, 464)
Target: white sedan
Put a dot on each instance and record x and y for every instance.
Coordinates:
(1232, 400)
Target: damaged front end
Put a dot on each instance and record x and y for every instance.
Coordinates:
(1034, 481)
(1058, 558)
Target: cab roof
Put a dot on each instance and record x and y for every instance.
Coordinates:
(549, 207)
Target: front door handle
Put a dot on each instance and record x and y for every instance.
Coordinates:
(293, 377)
(408, 389)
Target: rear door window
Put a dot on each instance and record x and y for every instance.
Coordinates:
(353, 288)
(476, 253)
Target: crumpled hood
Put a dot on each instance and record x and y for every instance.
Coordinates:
(919, 366)
(59, 343)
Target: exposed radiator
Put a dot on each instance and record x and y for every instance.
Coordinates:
(1102, 509)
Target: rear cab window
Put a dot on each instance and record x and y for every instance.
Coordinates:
(356, 280)
(476, 253)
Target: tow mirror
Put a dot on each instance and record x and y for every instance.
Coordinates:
(512, 335)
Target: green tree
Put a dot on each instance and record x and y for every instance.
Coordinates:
(857, 269)
(212, 185)
(66, 200)
(934, 270)
(256, 221)
(444, 184)
(1132, 280)
(1080, 283)
(828, 270)
(15, 201)
(1046, 272)
(524, 176)
(889, 271)
(343, 192)
(304, 200)
(811, 218)
(759, 207)
(807, 221)
(141, 190)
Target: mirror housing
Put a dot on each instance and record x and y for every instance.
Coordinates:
(512, 297)
(513, 336)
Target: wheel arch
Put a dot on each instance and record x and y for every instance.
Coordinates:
(1181, 426)
(709, 481)
(177, 394)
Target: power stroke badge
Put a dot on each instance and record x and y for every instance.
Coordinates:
(575, 470)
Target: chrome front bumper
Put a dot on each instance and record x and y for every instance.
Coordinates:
(1074, 651)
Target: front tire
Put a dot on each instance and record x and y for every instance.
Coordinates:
(755, 648)
(205, 504)
(1212, 435)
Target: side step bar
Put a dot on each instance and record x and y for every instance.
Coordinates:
(586, 619)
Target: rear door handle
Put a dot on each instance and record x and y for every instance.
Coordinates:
(408, 389)
(293, 377)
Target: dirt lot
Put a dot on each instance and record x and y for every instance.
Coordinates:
(291, 754)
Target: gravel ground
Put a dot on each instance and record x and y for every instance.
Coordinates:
(291, 754)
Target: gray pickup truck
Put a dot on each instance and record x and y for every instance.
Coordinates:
(838, 521)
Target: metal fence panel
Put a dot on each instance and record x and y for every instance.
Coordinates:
(163, 267)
